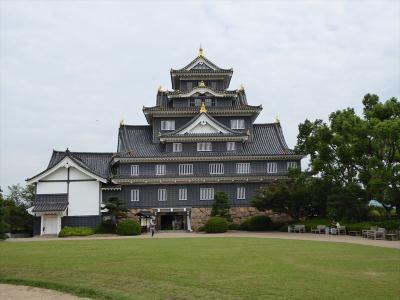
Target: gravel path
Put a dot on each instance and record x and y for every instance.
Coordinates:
(277, 235)
(21, 292)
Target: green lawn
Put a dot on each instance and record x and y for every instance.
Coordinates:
(205, 268)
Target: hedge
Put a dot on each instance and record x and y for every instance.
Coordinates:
(257, 223)
(128, 227)
(216, 225)
(105, 227)
(75, 231)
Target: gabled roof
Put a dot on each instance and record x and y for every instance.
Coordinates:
(50, 203)
(94, 163)
(201, 90)
(137, 142)
(201, 64)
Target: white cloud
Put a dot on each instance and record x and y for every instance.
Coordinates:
(71, 70)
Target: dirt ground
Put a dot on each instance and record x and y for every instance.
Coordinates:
(21, 292)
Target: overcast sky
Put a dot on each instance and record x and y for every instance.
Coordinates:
(71, 70)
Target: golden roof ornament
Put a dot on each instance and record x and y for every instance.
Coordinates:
(202, 84)
(200, 53)
(121, 122)
(160, 88)
(277, 120)
(203, 108)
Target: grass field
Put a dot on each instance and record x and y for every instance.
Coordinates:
(204, 268)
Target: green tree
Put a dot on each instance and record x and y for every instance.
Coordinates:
(16, 203)
(221, 205)
(114, 209)
(21, 196)
(3, 225)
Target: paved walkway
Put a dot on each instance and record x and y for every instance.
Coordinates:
(275, 235)
(21, 292)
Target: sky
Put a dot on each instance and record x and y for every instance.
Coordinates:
(70, 71)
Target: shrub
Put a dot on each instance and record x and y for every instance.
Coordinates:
(216, 225)
(75, 231)
(200, 229)
(105, 227)
(234, 226)
(128, 227)
(257, 223)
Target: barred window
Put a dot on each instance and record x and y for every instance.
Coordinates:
(237, 124)
(177, 147)
(291, 165)
(189, 85)
(206, 193)
(134, 195)
(204, 146)
(243, 168)
(272, 167)
(183, 194)
(230, 146)
(162, 195)
(185, 169)
(216, 168)
(210, 102)
(134, 170)
(160, 169)
(168, 125)
(241, 193)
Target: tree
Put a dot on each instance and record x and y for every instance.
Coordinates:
(15, 208)
(3, 225)
(114, 209)
(21, 196)
(221, 205)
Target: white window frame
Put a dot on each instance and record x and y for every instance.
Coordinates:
(135, 195)
(206, 194)
(162, 194)
(134, 170)
(230, 146)
(243, 168)
(176, 147)
(204, 146)
(237, 124)
(160, 170)
(167, 125)
(182, 194)
(272, 167)
(216, 168)
(291, 165)
(185, 169)
(241, 193)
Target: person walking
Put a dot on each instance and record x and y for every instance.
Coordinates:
(152, 228)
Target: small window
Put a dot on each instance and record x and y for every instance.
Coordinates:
(291, 165)
(272, 167)
(183, 194)
(243, 168)
(210, 102)
(216, 168)
(204, 146)
(189, 85)
(162, 195)
(134, 170)
(197, 102)
(185, 169)
(206, 193)
(241, 193)
(214, 85)
(177, 147)
(160, 169)
(237, 124)
(231, 146)
(168, 125)
(134, 195)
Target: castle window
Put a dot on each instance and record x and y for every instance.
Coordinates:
(183, 194)
(134, 195)
(272, 167)
(189, 85)
(216, 168)
(168, 125)
(210, 102)
(162, 195)
(206, 193)
(134, 170)
(241, 193)
(243, 168)
(230, 146)
(177, 147)
(237, 124)
(291, 165)
(204, 146)
(185, 169)
(160, 169)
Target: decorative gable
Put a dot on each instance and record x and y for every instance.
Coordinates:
(201, 64)
(204, 124)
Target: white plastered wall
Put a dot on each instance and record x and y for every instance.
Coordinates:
(83, 198)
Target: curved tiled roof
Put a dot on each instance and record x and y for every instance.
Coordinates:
(136, 141)
(217, 69)
(50, 202)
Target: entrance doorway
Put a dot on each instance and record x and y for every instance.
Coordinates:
(172, 221)
(50, 224)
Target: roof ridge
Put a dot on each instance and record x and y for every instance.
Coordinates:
(83, 152)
